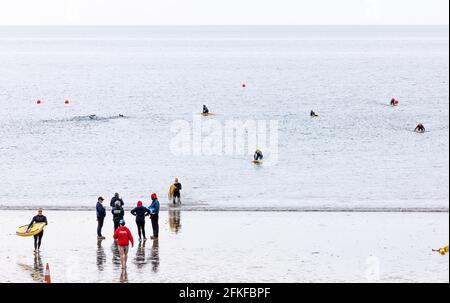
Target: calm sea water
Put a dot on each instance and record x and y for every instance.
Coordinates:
(360, 153)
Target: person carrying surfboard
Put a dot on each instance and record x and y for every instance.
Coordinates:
(124, 238)
(205, 110)
(154, 216)
(39, 218)
(258, 156)
(177, 191)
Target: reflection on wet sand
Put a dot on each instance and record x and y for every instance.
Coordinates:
(175, 220)
(116, 254)
(37, 270)
(154, 258)
(140, 259)
(124, 276)
(101, 256)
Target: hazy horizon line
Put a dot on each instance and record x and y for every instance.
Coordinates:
(212, 25)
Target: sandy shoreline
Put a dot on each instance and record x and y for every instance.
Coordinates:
(236, 247)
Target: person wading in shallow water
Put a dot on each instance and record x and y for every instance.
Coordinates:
(124, 238)
(140, 212)
(420, 128)
(40, 218)
(154, 215)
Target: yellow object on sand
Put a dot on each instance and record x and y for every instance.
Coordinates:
(171, 191)
(258, 161)
(34, 230)
(443, 251)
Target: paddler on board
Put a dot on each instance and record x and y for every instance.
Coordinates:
(258, 156)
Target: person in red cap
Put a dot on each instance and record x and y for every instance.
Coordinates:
(154, 215)
(124, 238)
(140, 212)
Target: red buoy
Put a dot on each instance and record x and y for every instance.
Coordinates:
(38, 102)
(244, 85)
(66, 102)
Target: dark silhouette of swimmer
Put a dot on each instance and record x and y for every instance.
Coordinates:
(258, 155)
(420, 128)
(92, 116)
(313, 114)
(205, 109)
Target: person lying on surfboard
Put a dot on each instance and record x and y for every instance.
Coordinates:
(205, 110)
(258, 155)
(38, 238)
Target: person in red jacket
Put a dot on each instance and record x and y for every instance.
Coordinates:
(124, 238)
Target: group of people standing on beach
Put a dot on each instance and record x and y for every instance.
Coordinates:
(122, 235)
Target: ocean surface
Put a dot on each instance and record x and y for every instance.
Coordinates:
(359, 154)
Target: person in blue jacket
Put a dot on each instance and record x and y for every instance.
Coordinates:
(154, 215)
(101, 214)
(140, 212)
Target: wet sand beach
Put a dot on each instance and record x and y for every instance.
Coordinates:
(234, 247)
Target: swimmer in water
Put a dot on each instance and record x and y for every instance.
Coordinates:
(420, 128)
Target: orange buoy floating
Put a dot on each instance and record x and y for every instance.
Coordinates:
(47, 277)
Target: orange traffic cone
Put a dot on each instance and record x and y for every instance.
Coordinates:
(47, 278)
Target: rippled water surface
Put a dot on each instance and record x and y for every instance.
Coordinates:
(360, 152)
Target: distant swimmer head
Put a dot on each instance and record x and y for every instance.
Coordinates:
(122, 222)
(139, 203)
(154, 196)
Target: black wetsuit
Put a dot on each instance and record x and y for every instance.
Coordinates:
(177, 192)
(118, 214)
(205, 110)
(313, 114)
(258, 156)
(101, 214)
(140, 212)
(38, 237)
(420, 128)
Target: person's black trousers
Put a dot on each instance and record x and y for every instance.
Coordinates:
(155, 224)
(141, 229)
(38, 240)
(100, 222)
(116, 225)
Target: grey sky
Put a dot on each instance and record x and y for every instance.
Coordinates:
(222, 12)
